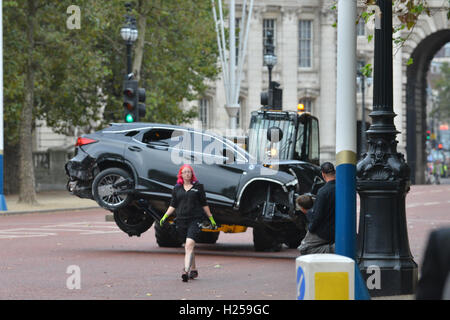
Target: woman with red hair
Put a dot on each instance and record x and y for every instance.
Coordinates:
(189, 201)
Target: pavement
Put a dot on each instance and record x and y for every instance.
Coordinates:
(48, 201)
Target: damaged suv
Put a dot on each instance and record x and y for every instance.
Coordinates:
(131, 169)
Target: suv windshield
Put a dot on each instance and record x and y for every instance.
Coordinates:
(260, 147)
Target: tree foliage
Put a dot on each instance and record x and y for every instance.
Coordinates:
(79, 72)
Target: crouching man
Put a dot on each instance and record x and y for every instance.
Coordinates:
(320, 215)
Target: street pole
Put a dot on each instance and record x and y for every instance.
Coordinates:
(129, 66)
(383, 179)
(3, 206)
(129, 34)
(270, 87)
(270, 53)
(345, 235)
(234, 108)
(232, 74)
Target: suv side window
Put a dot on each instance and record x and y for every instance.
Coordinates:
(169, 137)
(212, 149)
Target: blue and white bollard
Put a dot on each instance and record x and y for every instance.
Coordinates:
(325, 277)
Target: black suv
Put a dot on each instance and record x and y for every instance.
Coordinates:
(131, 169)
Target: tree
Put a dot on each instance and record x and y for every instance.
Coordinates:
(48, 75)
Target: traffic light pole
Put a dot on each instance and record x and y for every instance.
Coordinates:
(129, 65)
(270, 86)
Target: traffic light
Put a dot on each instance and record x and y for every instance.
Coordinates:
(141, 105)
(428, 135)
(133, 98)
(272, 99)
(130, 89)
(277, 100)
(265, 98)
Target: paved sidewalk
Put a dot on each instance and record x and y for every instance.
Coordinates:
(48, 201)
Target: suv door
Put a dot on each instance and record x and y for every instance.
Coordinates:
(220, 173)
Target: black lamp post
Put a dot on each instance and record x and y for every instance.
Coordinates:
(382, 181)
(129, 33)
(270, 60)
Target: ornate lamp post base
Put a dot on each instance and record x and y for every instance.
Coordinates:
(383, 253)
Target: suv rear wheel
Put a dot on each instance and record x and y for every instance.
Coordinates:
(106, 186)
(132, 220)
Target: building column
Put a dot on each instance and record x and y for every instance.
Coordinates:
(289, 49)
(327, 98)
(254, 62)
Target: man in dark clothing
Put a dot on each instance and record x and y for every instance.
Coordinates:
(321, 217)
(434, 283)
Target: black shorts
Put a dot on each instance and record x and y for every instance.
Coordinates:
(188, 229)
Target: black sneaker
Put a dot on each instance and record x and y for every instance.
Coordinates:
(185, 276)
(193, 274)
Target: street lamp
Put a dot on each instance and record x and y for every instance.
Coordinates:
(270, 60)
(382, 181)
(129, 34)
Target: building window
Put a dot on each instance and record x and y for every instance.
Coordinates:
(361, 27)
(307, 102)
(305, 43)
(269, 25)
(204, 112)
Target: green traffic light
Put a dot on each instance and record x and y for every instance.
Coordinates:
(129, 118)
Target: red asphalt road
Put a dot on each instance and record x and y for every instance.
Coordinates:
(37, 249)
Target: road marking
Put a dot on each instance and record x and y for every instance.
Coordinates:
(413, 205)
(432, 203)
(83, 228)
(22, 233)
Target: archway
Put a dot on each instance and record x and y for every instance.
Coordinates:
(416, 101)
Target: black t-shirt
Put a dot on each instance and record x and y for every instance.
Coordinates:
(321, 217)
(189, 204)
